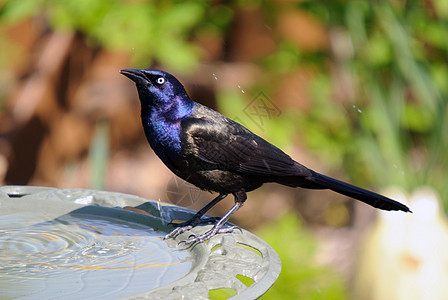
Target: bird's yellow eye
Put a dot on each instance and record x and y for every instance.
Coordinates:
(160, 80)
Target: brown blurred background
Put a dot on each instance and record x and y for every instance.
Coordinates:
(355, 90)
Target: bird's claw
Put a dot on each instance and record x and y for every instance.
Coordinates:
(184, 226)
(208, 235)
(177, 231)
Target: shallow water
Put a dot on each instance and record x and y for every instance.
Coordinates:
(83, 256)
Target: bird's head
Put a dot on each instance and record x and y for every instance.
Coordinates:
(155, 87)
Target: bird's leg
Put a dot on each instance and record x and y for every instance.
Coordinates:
(240, 197)
(196, 219)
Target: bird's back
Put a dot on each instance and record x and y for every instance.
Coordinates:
(226, 153)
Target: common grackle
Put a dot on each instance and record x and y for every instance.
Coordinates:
(217, 154)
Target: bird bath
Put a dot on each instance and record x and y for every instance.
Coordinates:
(75, 244)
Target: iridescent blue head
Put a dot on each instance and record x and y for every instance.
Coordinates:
(164, 105)
(160, 91)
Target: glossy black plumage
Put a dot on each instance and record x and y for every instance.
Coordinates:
(217, 154)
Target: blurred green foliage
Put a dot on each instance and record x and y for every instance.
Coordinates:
(99, 154)
(393, 123)
(300, 278)
(151, 31)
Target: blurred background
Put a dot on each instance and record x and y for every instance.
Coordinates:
(357, 90)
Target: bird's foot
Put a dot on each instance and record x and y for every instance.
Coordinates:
(177, 231)
(185, 226)
(208, 235)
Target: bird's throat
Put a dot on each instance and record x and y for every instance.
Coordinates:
(162, 126)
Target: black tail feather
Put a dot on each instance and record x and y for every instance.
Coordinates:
(368, 197)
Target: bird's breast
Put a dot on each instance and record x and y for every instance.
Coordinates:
(164, 139)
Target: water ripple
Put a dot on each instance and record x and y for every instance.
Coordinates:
(76, 255)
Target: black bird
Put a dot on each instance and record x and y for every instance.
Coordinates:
(217, 154)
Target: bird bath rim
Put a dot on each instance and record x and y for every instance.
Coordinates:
(215, 263)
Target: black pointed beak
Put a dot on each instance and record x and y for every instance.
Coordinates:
(136, 75)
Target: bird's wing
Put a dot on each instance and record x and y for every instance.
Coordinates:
(233, 147)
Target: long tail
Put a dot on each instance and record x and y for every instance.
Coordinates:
(320, 181)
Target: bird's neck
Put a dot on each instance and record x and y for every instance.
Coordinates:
(174, 112)
(162, 125)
